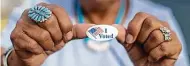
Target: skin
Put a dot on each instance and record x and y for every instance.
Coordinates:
(96, 15)
(2, 52)
(143, 41)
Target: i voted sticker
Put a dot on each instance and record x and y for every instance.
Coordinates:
(102, 32)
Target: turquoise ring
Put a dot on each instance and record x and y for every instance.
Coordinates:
(39, 14)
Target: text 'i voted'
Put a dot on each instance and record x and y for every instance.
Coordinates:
(102, 32)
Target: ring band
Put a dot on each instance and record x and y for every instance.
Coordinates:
(166, 33)
(39, 14)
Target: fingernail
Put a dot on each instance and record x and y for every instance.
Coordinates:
(129, 38)
(69, 36)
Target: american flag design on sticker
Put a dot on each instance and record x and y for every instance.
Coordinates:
(95, 31)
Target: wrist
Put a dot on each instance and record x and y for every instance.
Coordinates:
(14, 60)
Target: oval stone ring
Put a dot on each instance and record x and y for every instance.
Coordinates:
(39, 13)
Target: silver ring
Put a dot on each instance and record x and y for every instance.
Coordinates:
(166, 33)
(39, 13)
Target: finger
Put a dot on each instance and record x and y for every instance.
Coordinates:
(163, 62)
(63, 19)
(38, 34)
(136, 52)
(169, 49)
(42, 37)
(166, 24)
(168, 62)
(121, 33)
(154, 39)
(52, 26)
(157, 53)
(149, 25)
(59, 46)
(78, 31)
(134, 26)
(22, 41)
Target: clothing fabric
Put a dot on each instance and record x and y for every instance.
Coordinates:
(76, 53)
(3, 23)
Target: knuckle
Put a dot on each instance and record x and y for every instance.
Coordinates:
(33, 45)
(166, 24)
(154, 58)
(156, 36)
(67, 28)
(17, 31)
(13, 35)
(179, 47)
(42, 3)
(20, 21)
(57, 7)
(44, 35)
(162, 48)
(141, 14)
(58, 36)
(132, 28)
(25, 12)
(148, 22)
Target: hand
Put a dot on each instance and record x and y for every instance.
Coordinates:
(2, 52)
(145, 43)
(34, 42)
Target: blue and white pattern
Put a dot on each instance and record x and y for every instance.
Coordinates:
(39, 13)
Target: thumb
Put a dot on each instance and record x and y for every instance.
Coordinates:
(134, 51)
(121, 33)
(78, 31)
(121, 37)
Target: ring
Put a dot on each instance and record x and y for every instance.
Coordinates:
(166, 33)
(39, 14)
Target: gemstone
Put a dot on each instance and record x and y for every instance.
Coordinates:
(39, 13)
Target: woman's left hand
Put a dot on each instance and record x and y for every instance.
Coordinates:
(146, 44)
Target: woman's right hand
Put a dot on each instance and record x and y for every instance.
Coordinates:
(34, 42)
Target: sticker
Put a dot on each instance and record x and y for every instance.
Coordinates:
(102, 32)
